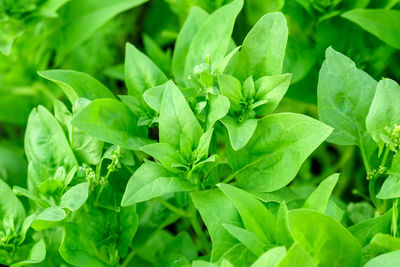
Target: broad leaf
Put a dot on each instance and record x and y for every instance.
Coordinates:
(152, 180)
(46, 146)
(344, 96)
(297, 255)
(194, 21)
(384, 24)
(36, 254)
(216, 210)
(318, 200)
(48, 218)
(239, 133)
(255, 216)
(383, 113)
(383, 243)
(366, 230)
(111, 121)
(327, 241)
(218, 107)
(77, 84)
(275, 153)
(177, 119)
(140, 72)
(272, 89)
(263, 49)
(213, 37)
(391, 259)
(271, 258)
(82, 18)
(12, 213)
(248, 238)
(75, 197)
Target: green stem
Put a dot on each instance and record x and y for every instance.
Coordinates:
(394, 218)
(199, 232)
(365, 160)
(231, 176)
(128, 258)
(104, 182)
(385, 156)
(173, 208)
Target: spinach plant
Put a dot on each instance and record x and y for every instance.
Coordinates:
(194, 165)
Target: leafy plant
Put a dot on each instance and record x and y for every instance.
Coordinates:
(197, 164)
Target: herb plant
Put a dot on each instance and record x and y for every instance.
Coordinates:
(195, 164)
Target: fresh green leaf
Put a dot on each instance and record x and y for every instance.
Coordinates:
(276, 151)
(77, 84)
(384, 24)
(263, 49)
(327, 241)
(111, 121)
(318, 200)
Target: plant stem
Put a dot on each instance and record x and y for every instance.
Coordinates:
(364, 158)
(173, 208)
(385, 156)
(128, 258)
(199, 232)
(230, 177)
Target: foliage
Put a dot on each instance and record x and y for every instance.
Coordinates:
(190, 152)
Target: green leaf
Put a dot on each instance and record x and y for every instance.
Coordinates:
(283, 236)
(78, 246)
(272, 89)
(48, 218)
(390, 187)
(90, 13)
(366, 230)
(160, 57)
(239, 133)
(77, 84)
(384, 113)
(383, 243)
(275, 153)
(318, 200)
(140, 72)
(86, 148)
(271, 258)
(255, 216)
(153, 97)
(179, 250)
(213, 37)
(384, 24)
(111, 121)
(128, 225)
(297, 256)
(46, 145)
(257, 8)
(204, 145)
(391, 259)
(329, 235)
(75, 197)
(263, 49)
(177, 119)
(218, 107)
(232, 89)
(162, 152)
(216, 210)
(193, 23)
(341, 89)
(248, 238)
(150, 181)
(12, 213)
(36, 254)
